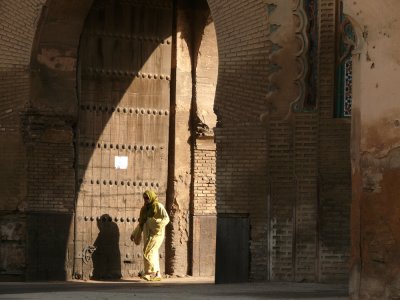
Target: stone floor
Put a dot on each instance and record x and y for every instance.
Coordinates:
(172, 288)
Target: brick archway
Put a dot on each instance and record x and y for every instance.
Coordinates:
(54, 103)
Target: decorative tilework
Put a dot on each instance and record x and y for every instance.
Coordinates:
(348, 83)
(345, 68)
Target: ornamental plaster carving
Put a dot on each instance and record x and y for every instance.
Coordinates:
(288, 46)
(302, 38)
(353, 43)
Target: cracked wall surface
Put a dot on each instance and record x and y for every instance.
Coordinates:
(375, 151)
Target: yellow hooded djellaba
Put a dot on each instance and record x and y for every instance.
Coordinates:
(152, 221)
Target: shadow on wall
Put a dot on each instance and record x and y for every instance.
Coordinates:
(47, 237)
(107, 256)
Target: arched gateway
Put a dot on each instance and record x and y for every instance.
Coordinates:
(68, 138)
(122, 96)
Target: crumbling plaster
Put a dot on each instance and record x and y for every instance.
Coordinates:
(375, 151)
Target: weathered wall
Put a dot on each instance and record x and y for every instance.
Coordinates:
(34, 183)
(50, 119)
(36, 144)
(203, 152)
(18, 22)
(192, 175)
(177, 241)
(334, 174)
(375, 168)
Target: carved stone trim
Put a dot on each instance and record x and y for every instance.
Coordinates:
(301, 56)
(358, 42)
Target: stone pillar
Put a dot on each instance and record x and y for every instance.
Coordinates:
(203, 210)
(180, 160)
(191, 196)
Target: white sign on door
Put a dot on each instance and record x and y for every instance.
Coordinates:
(121, 162)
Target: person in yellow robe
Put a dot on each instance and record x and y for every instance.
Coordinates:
(152, 220)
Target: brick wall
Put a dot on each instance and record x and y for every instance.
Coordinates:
(282, 190)
(204, 208)
(305, 187)
(18, 21)
(309, 199)
(333, 161)
(305, 148)
(204, 178)
(242, 32)
(51, 182)
(293, 198)
(41, 178)
(243, 59)
(241, 185)
(335, 199)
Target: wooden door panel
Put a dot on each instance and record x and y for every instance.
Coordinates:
(232, 256)
(125, 62)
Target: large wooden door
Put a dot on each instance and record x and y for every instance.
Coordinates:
(122, 134)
